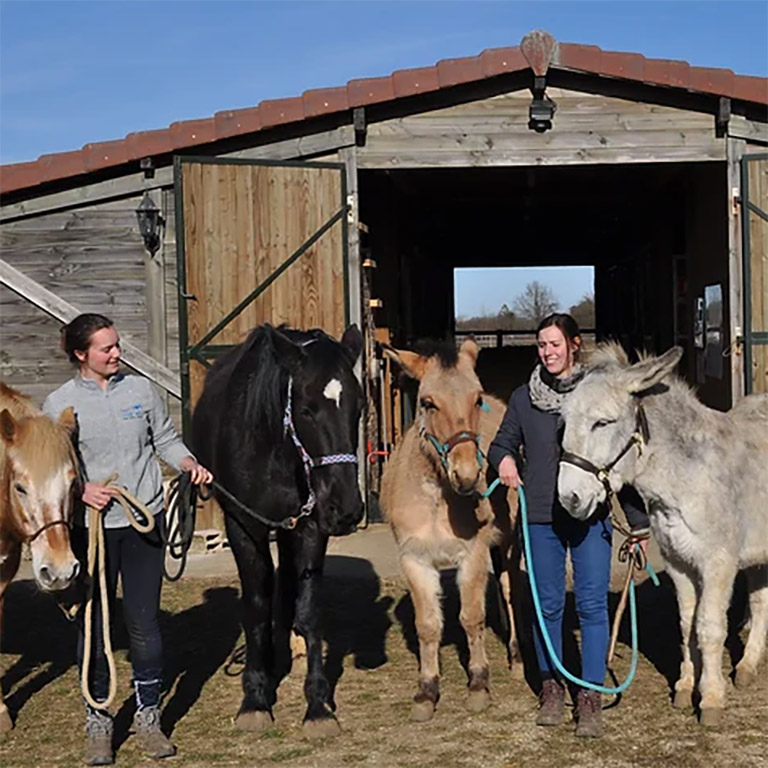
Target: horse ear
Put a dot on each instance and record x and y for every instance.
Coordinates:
(67, 419)
(288, 354)
(411, 362)
(353, 341)
(470, 349)
(7, 426)
(647, 373)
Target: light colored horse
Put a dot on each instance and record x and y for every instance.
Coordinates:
(37, 472)
(702, 475)
(430, 496)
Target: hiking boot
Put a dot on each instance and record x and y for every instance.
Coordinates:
(589, 713)
(153, 741)
(551, 703)
(98, 745)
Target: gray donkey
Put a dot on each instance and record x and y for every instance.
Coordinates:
(702, 475)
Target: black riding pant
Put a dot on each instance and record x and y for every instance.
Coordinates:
(138, 559)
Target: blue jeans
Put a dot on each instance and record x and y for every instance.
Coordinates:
(590, 545)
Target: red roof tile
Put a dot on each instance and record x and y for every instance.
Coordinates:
(538, 50)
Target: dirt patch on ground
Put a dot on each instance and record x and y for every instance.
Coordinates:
(371, 658)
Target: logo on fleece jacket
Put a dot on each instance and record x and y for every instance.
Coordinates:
(132, 412)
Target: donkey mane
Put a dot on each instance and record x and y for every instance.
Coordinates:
(607, 354)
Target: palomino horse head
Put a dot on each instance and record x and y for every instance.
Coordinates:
(39, 473)
(606, 427)
(448, 413)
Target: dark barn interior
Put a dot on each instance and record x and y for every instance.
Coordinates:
(655, 234)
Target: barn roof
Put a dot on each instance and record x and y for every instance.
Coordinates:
(537, 51)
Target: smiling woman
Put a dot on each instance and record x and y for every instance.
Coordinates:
(526, 451)
(121, 424)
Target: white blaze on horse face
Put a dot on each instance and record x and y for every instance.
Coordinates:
(333, 391)
(49, 500)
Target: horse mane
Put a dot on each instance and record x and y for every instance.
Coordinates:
(444, 351)
(257, 371)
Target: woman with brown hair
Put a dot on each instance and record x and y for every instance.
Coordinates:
(122, 424)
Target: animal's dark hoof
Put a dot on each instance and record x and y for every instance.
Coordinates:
(6, 724)
(478, 701)
(324, 728)
(254, 722)
(683, 700)
(711, 716)
(422, 711)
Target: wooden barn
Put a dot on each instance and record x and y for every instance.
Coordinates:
(357, 203)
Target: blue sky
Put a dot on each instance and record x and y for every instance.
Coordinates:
(78, 72)
(483, 291)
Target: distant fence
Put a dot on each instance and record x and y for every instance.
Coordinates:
(504, 338)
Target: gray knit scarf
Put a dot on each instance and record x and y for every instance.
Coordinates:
(548, 392)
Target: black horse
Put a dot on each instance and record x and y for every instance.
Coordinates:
(277, 423)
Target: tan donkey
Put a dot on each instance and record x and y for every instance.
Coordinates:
(37, 472)
(431, 496)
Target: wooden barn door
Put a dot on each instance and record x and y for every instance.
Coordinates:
(754, 191)
(257, 241)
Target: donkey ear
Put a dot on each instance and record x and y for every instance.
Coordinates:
(353, 341)
(411, 362)
(470, 349)
(288, 354)
(7, 426)
(647, 373)
(67, 419)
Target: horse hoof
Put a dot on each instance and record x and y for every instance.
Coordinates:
(6, 724)
(254, 722)
(683, 700)
(478, 701)
(325, 728)
(422, 711)
(744, 677)
(711, 716)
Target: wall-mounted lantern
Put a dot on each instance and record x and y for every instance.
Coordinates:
(150, 223)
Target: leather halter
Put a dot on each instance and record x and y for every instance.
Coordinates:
(46, 527)
(443, 449)
(639, 437)
(308, 461)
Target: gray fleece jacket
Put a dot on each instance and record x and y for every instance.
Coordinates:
(120, 429)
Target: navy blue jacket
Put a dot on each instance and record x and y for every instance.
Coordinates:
(539, 434)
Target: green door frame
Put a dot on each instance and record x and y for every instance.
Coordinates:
(748, 207)
(202, 351)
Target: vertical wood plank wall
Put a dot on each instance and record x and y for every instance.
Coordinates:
(758, 265)
(241, 222)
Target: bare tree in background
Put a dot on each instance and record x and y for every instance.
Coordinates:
(584, 312)
(535, 302)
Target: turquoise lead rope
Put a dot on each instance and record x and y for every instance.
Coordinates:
(540, 617)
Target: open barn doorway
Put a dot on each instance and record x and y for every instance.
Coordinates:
(501, 307)
(655, 235)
